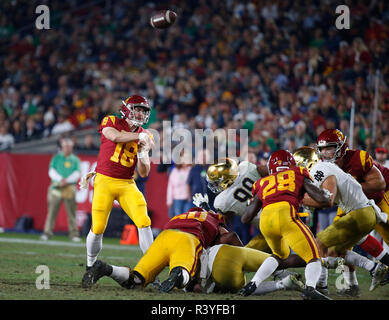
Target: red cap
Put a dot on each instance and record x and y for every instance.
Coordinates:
(381, 150)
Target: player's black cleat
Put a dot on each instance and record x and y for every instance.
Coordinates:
(352, 291)
(248, 289)
(94, 273)
(324, 290)
(310, 293)
(175, 280)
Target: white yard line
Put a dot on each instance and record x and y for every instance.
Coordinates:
(66, 244)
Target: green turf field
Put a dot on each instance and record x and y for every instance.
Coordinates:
(21, 254)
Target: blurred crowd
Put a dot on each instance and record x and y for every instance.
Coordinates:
(277, 68)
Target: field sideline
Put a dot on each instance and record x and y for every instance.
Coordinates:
(21, 254)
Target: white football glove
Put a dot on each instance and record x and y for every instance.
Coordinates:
(201, 201)
(84, 182)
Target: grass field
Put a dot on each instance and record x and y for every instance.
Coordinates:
(21, 254)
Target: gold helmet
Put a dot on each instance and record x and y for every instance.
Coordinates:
(306, 157)
(222, 174)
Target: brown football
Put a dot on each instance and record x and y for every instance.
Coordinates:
(163, 19)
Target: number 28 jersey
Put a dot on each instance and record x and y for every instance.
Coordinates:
(117, 160)
(286, 185)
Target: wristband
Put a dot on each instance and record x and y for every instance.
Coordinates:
(143, 154)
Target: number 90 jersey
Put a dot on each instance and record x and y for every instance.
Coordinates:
(234, 198)
(286, 185)
(117, 160)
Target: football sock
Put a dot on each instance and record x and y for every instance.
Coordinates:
(267, 287)
(350, 277)
(94, 244)
(120, 274)
(322, 282)
(186, 277)
(356, 259)
(145, 238)
(372, 246)
(332, 262)
(312, 273)
(265, 270)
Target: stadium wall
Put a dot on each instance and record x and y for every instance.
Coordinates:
(23, 191)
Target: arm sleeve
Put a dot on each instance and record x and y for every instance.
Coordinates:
(54, 175)
(73, 178)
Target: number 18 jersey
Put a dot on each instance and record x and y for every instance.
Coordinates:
(286, 185)
(117, 160)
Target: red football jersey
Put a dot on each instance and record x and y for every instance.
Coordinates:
(358, 163)
(286, 185)
(204, 225)
(117, 160)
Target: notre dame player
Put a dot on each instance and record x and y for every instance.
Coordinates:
(234, 183)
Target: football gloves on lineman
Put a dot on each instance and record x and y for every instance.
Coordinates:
(201, 201)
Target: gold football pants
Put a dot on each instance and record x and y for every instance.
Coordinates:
(348, 229)
(284, 230)
(259, 243)
(381, 228)
(171, 248)
(232, 262)
(125, 191)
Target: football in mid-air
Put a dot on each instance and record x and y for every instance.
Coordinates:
(163, 19)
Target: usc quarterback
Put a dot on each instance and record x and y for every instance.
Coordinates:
(124, 147)
(280, 195)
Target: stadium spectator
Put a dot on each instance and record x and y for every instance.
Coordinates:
(381, 155)
(64, 172)
(88, 147)
(198, 73)
(177, 192)
(6, 138)
(196, 182)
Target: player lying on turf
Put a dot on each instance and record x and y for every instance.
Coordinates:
(178, 246)
(280, 195)
(361, 215)
(223, 267)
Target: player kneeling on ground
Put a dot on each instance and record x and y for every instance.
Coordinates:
(178, 246)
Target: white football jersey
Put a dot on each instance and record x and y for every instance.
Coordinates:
(234, 198)
(350, 195)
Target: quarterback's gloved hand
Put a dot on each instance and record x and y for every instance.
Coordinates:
(84, 182)
(201, 201)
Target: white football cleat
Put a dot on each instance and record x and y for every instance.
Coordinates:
(377, 275)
